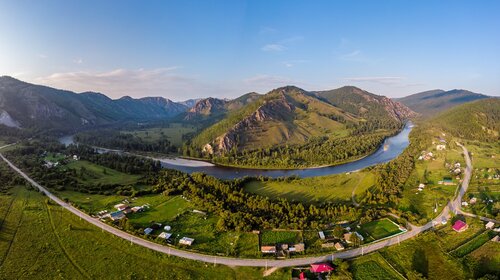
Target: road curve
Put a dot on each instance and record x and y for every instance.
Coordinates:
(415, 230)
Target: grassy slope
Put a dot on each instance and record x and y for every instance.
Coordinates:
(308, 121)
(44, 242)
(317, 189)
(173, 133)
(95, 174)
(435, 101)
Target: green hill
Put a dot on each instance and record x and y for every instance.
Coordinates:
(479, 120)
(434, 101)
(292, 116)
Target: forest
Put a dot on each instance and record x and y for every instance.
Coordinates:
(113, 139)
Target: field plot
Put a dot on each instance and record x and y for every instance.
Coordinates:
(275, 237)
(334, 188)
(379, 229)
(43, 241)
(173, 133)
(488, 257)
(95, 174)
(373, 267)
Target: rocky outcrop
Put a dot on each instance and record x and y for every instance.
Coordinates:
(273, 110)
(397, 110)
(205, 107)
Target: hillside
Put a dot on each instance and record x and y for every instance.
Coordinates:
(27, 105)
(434, 101)
(293, 116)
(479, 120)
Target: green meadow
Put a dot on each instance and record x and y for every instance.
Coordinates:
(40, 240)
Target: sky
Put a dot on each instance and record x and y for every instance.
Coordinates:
(191, 49)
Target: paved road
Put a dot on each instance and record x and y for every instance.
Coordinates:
(415, 230)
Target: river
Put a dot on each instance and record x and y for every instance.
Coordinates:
(392, 147)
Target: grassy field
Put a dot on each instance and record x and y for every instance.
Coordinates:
(333, 188)
(430, 173)
(208, 239)
(162, 208)
(275, 237)
(42, 241)
(53, 157)
(378, 229)
(173, 133)
(95, 174)
(488, 258)
(472, 245)
(374, 267)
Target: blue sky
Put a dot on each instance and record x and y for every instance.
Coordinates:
(187, 49)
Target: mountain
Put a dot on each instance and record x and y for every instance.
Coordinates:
(190, 102)
(431, 102)
(365, 104)
(33, 106)
(212, 109)
(478, 120)
(290, 115)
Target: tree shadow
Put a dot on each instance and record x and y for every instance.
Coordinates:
(420, 262)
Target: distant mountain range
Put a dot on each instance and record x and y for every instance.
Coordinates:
(32, 106)
(431, 102)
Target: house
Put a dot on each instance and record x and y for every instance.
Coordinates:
(359, 236)
(444, 221)
(421, 187)
(148, 231)
(136, 209)
(167, 228)
(457, 170)
(299, 247)
(121, 206)
(495, 239)
(115, 216)
(459, 226)
(490, 225)
(328, 245)
(440, 147)
(199, 212)
(165, 235)
(321, 268)
(347, 237)
(457, 165)
(473, 200)
(339, 246)
(127, 210)
(446, 182)
(75, 157)
(186, 241)
(321, 235)
(268, 249)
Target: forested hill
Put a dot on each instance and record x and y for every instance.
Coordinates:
(293, 121)
(432, 102)
(27, 105)
(479, 120)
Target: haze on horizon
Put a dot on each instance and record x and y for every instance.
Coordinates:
(190, 49)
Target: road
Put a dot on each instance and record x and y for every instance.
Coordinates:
(414, 230)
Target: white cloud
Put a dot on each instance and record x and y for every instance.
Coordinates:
(281, 45)
(136, 83)
(78, 61)
(351, 55)
(273, 48)
(292, 63)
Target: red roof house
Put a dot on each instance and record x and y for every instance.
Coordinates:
(459, 226)
(321, 267)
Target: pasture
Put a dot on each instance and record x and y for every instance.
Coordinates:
(316, 190)
(174, 133)
(379, 229)
(277, 237)
(42, 241)
(91, 173)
